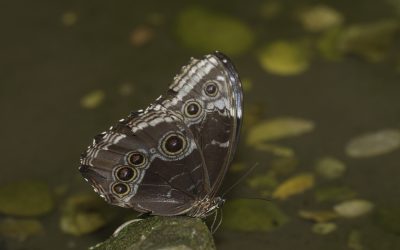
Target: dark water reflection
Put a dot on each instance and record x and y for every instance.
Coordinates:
(47, 67)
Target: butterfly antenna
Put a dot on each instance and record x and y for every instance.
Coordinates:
(244, 176)
(219, 223)
(214, 220)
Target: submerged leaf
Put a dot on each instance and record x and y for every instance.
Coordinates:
(330, 167)
(328, 44)
(388, 218)
(237, 167)
(252, 215)
(275, 149)
(270, 9)
(126, 89)
(278, 128)
(25, 198)
(320, 17)
(20, 229)
(371, 41)
(285, 58)
(295, 185)
(92, 99)
(353, 208)
(207, 31)
(373, 144)
(267, 180)
(141, 35)
(284, 165)
(83, 214)
(324, 228)
(354, 240)
(69, 18)
(395, 4)
(334, 194)
(318, 216)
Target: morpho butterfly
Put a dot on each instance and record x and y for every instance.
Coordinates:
(171, 158)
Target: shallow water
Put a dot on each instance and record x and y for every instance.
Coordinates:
(48, 65)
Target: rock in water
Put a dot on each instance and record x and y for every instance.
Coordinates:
(160, 233)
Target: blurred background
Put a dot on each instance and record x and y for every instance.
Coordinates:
(322, 114)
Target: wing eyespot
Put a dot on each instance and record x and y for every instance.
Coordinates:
(137, 159)
(192, 109)
(173, 144)
(126, 174)
(211, 89)
(120, 189)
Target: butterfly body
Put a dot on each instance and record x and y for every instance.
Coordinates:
(171, 158)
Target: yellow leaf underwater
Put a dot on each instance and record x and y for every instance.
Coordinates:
(278, 128)
(285, 58)
(318, 216)
(92, 99)
(295, 185)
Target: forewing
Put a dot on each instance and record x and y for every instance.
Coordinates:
(208, 95)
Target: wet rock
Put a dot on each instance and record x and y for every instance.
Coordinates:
(156, 233)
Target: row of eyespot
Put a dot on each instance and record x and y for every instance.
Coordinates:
(172, 145)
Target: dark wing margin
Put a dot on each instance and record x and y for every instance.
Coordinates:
(236, 111)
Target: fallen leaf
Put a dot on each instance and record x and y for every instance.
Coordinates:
(330, 168)
(141, 35)
(278, 128)
(335, 194)
(69, 18)
(267, 180)
(275, 149)
(324, 228)
(26, 198)
(320, 17)
(92, 99)
(370, 41)
(206, 31)
(353, 208)
(253, 215)
(373, 144)
(285, 58)
(20, 229)
(318, 216)
(295, 185)
(354, 240)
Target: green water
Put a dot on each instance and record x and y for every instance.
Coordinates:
(47, 67)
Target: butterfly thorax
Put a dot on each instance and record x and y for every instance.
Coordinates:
(205, 207)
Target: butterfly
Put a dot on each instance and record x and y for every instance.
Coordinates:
(171, 158)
